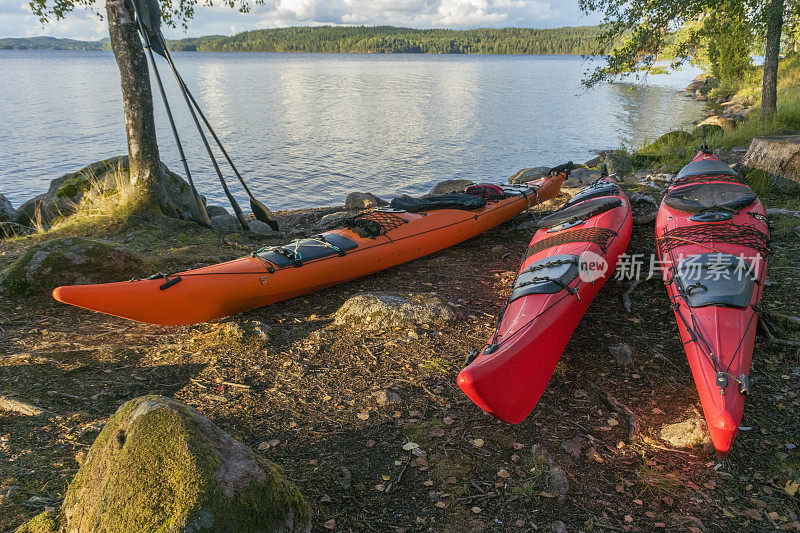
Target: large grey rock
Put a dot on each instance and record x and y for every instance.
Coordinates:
(723, 122)
(529, 174)
(690, 432)
(362, 200)
(581, 176)
(70, 261)
(381, 310)
(227, 223)
(7, 211)
(216, 210)
(618, 164)
(160, 465)
(66, 192)
(448, 186)
(699, 81)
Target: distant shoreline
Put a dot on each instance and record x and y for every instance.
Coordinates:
(579, 40)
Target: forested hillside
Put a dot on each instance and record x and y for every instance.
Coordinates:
(48, 43)
(388, 39)
(378, 39)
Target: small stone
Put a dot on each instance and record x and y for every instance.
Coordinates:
(370, 443)
(574, 446)
(258, 329)
(478, 443)
(690, 432)
(386, 397)
(622, 353)
(558, 480)
(332, 220)
(476, 509)
(225, 223)
(260, 228)
(725, 123)
(325, 499)
(330, 524)
(559, 527)
(592, 454)
(503, 473)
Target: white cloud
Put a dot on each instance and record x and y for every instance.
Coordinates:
(17, 20)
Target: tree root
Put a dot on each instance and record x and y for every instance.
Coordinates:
(621, 408)
(767, 328)
(16, 406)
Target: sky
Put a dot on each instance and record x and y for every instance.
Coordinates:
(16, 19)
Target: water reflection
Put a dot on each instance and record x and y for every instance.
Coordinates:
(307, 129)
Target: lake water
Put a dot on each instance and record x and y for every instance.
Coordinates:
(306, 129)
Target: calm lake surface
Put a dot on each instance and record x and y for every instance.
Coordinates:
(306, 129)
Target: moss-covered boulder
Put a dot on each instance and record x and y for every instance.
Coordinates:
(382, 310)
(159, 465)
(100, 178)
(617, 164)
(677, 138)
(70, 261)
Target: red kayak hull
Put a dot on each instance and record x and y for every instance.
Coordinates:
(714, 333)
(535, 329)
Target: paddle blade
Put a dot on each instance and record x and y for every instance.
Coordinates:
(149, 12)
(263, 214)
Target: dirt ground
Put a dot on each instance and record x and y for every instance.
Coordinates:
(304, 400)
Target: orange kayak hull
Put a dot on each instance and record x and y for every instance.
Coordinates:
(247, 283)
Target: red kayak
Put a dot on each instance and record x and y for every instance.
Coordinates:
(712, 235)
(568, 261)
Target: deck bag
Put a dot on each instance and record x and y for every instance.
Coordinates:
(488, 191)
(445, 201)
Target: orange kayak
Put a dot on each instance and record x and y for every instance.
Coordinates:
(376, 240)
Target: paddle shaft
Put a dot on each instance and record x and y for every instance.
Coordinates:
(231, 199)
(221, 147)
(200, 214)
